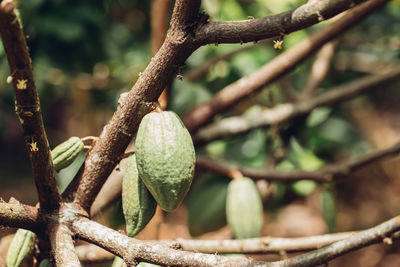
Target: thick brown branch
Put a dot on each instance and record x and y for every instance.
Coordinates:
(241, 124)
(283, 23)
(325, 174)
(132, 107)
(253, 245)
(132, 250)
(281, 65)
(184, 15)
(362, 239)
(62, 247)
(27, 106)
(18, 215)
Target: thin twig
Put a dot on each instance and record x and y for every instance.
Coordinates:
(362, 239)
(319, 69)
(262, 28)
(242, 124)
(27, 106)
(279, 66)
(325, 174)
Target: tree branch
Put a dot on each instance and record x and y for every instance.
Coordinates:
(324, 174)
(362, 239)
(132, 250)
(27, 106)
(262, 244)
(253, 245)
(275, 25)
(154, 252)
(62, 247)
(15, 214)
(242, 124)
(279, 66)
(159, 14)
(319, 69)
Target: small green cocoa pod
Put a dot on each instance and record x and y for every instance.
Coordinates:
(65, 153)
(244, 210)
(21, 247)
(165, 158)
(138, 204)
(206, 203)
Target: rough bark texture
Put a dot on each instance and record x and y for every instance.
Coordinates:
(27, 106)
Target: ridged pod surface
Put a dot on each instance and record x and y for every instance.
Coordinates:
(138, 204)
(20, 248)
(244, 210)
(165, 158)
(65, 153)
(206, 205)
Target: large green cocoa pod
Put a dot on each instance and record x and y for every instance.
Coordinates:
(138, 204)
(65, 153)
(165, 158)
(244, 210)
(206, 203)
(21, 247)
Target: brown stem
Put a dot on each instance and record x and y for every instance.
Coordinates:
(362, 239)
(276, 25)
(262, 244)
(319, 69)
(27, 106)
(131, 249)
(325, 174)
(159, 21)
(62, 247)
(242, 124)
(279, 66)
(15, 214)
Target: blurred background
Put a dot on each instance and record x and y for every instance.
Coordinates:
(86, 53)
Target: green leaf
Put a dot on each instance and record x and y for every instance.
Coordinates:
(329, 210)
(318, 116)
